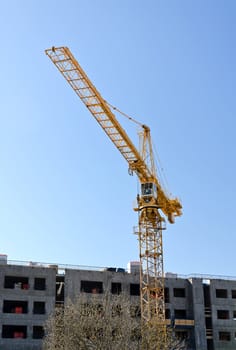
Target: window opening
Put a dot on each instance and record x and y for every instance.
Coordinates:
(94, 287)
(167, 313)
(180, 314)
(115, 287)
(14, 331)
(15, 306)
(223, 314)
(233, 292)
(40, 283)
(39, 307)
(221, 293)
(16, 282)
(167, 295)
(225, 336)
(134, 289)
(38, 332)
(148, 189)
(179, 292)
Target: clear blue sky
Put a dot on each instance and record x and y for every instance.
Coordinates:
(65, 194)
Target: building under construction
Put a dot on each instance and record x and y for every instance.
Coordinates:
(199, 308)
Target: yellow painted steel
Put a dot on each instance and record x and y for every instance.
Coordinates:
(151, 223)
(99, 108)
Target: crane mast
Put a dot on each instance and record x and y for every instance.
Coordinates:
(152, 197)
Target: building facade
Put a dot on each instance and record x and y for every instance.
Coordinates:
(200, 310)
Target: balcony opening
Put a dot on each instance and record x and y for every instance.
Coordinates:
(16, 282)
(208, 322)
(39, 308)
(134, 289)
(207, 296)
(116, 288)
(15, 307)
(38, 332)
(14, 331)
(60, 289)
(94, 287)
(40, 283)
(179, 292)
(210, 345)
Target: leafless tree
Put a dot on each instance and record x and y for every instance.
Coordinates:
(103, 323)
(94, 322)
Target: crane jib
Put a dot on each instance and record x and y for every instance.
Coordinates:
(99, 108)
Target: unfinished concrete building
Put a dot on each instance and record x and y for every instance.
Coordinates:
(201, 310)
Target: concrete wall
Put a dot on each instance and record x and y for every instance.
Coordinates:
(73, 280)
(222, 303)
(29, 295)
(192, 303)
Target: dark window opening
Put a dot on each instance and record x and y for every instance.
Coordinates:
(234, 314)
(148, 189)
(221, 293)
(40, 283)
(134, 289)
(39, 307)
(14, 331)
(15, 307)
(225, 336)
(116, 288)
(60, 289)
(233, 292)
(93, 287)
(167, 295)
(179, 292)
(223, 314)
(38, 332)
(180, 314)
(167, 313)
(16, 282)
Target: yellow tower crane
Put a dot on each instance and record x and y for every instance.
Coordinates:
(152, 197)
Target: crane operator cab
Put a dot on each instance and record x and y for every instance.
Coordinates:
(148, 191)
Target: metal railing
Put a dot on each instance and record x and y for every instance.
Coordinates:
(102, 268)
